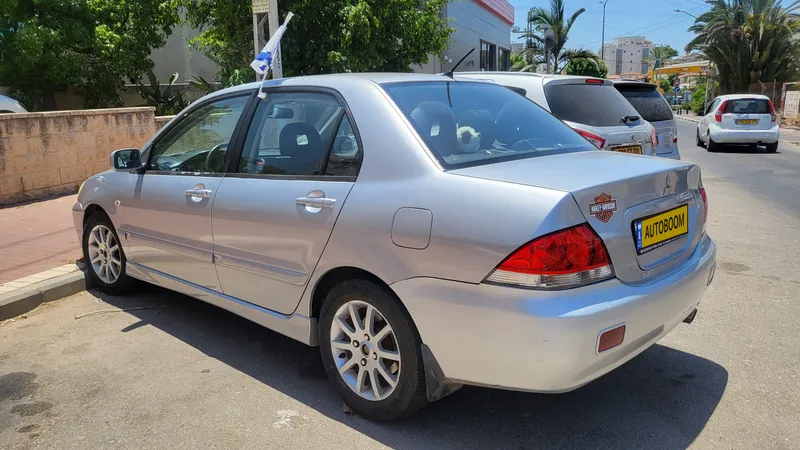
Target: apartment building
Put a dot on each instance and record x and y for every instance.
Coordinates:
(627, 54)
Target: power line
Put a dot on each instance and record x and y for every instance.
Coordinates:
(653, 26)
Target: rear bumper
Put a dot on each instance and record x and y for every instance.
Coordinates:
(723, 136)
(77, 219)
(546, 341)
(668, 151)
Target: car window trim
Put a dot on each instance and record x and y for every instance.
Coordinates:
(195, 106)
(232, 168)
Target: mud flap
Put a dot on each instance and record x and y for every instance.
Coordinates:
(437, 385)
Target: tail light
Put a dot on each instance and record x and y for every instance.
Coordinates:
(705, 205)
(675, 140)
(772, 112)
(720, 110)
(594, 81)
(565, 259)
(653, 138)
(593, 138)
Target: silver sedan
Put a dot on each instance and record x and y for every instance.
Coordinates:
(369, 216)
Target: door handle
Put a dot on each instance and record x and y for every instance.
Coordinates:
(201, 193)
(316, 202)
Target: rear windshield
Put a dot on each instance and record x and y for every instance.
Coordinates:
(747, 106)
(646, 99)
(598, 105)
(466, 123)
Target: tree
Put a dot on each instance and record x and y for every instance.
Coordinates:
(667, 84)
(749, 41)
(91, 46)
(589, 67)
(663, 53)
(325, 37)
(554, 18)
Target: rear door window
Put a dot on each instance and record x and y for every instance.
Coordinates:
(747, 106)
(648, 102)
(598, 105)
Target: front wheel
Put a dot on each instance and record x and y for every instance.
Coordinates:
(371, 351)
(772, 148)
(103, 255)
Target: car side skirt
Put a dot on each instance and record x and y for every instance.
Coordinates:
(295, 326)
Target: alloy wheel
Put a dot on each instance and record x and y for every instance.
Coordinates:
(365, 350)
(104, 254)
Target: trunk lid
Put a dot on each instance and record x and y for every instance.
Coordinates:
(621, 137)
(614, 192)
(747, 114)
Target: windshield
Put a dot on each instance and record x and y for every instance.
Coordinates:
(466, 123)
(598, 105)
(646, 99)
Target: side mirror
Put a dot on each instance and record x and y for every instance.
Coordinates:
(126, 159)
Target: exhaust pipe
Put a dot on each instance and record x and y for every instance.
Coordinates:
(690, 317)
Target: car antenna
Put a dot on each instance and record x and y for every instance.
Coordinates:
(449, 73)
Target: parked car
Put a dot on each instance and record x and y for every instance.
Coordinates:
(9, 105)
(354, 212)
(591, 106)
(742, 119)
(653, 108)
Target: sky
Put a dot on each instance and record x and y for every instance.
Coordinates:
(653, 19)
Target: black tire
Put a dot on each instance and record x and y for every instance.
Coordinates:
(699, 141)
(123, 284)
(409, 395)
(712, 146)
(772, 148)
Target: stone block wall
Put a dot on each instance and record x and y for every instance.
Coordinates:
(50, 153)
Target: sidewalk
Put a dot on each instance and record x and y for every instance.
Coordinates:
(37, 237)
(790, 135)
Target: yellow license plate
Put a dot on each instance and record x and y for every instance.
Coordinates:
(661, 229)
(747, 122)
(635, 149)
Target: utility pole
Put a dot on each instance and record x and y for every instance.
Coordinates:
(266, 11)
(603, 40)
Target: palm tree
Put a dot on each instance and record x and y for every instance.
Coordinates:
(554, 18)
(749, 41)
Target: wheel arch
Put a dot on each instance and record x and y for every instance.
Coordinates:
(338, 275)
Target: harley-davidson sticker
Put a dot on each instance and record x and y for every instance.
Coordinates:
(603, 207)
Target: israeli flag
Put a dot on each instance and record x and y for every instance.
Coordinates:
(263, 61)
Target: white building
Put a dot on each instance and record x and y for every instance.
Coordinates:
(627, 54)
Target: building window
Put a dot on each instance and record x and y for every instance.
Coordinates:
(504, 59)
(488, 56)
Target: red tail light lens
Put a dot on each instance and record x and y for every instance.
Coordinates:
(720, 111)
(593, 138)
(565, 259)
(772, 111)
(653, 138)
(594, 81)
(705, 205)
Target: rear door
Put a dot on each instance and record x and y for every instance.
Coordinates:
(653, 108)
(273, 216)
(747, 114)
(593, 106)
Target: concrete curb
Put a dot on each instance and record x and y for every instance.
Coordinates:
(22, 300)
(688, 119)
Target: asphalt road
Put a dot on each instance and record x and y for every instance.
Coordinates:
(194, 376)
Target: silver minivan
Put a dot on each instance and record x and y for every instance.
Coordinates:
(653, 107)
(589, 105)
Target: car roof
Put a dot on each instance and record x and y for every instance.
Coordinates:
(543, 76)
(632, 83)
(741, 96)
(331, 80)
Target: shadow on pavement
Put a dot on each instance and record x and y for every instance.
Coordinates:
(746, 149)
(661, 399)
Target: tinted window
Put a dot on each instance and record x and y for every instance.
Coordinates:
(598, 105)
(747, 106)
(292, 133)
(648, 102)
(198, 142)
(465, 123)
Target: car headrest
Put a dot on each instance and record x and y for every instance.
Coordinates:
(509, 128)
(301, 140)
(437, 125)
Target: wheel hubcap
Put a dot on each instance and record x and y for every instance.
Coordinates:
(365, 350)
(104, 254)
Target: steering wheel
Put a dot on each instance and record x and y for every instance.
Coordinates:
(211, 152)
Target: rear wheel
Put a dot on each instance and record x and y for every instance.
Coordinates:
(371, 351)
(699, 141)
(772, 148)
(103, 255)
(712, 146)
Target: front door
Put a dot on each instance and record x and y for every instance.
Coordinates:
(168, 217)
(273, 217)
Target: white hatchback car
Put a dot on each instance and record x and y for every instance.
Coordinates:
(742, 119)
